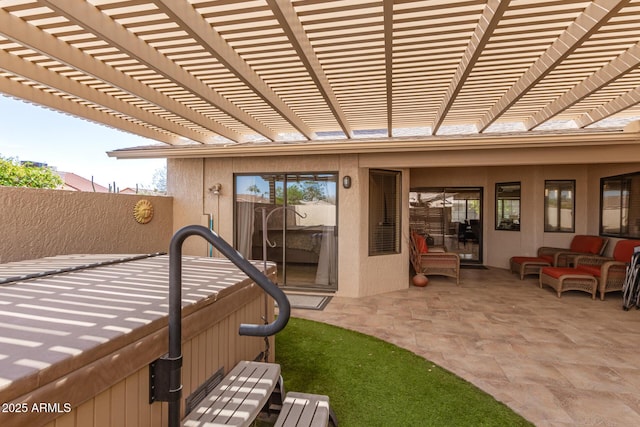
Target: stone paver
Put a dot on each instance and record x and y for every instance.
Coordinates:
(568, 361)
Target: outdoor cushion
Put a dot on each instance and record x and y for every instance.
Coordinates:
(624, 250)
(556, 272)
(421, 243)
(594, 270)
(587, 244)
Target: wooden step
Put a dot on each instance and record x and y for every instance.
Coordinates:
(303, 409)
(239, 397)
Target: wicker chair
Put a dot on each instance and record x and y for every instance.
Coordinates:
(610, 272)
(580, 245)
(435, 261)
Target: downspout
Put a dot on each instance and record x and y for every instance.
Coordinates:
(215, 189)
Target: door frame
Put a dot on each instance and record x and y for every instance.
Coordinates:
(283, 258)
(450, 189)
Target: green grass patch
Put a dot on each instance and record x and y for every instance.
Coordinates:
(373, 383)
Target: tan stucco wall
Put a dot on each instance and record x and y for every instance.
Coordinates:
(189, 181)
(500, 245)
(185, 184)
(35, 223)
(382, 273)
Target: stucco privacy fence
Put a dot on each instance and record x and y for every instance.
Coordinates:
(37, 223)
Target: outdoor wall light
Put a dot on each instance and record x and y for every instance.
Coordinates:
(215, 189)
(346, 181)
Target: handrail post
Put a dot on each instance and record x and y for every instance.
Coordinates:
(175, 325)
(175, 306)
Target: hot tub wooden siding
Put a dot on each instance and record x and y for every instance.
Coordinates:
(100, 367)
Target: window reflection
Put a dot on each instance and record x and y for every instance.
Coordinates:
(300, 211)
(559, 205)
(508, 206)
(620, 206)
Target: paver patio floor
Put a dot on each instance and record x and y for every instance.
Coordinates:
(569, 361)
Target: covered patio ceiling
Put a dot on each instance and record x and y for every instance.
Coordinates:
(211, 72)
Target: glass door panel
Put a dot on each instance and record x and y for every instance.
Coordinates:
(311, 232)
(449, 217)
(256, 198)
(300, 212)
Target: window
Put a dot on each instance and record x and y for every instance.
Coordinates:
(465, 209)
(508, 206)
(384, 212)
(559, 205)
(620, 206)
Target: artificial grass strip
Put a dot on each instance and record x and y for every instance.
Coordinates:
(374, 383)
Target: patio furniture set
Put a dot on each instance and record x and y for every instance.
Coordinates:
(581, 267)
(433, 260)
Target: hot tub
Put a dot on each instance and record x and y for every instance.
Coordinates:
(77, 335)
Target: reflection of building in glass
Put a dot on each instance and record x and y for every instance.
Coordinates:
(301, 230)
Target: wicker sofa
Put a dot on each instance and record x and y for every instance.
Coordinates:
(580, 245)
(610, 272)
(433, 261)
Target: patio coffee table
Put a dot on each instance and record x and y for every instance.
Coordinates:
(523, 265)
(568, 279)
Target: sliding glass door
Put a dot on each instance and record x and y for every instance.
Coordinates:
(449, 217)
(299, 213)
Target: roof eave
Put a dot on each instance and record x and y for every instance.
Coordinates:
(385, 145)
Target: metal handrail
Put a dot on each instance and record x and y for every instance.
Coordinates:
(175, 304)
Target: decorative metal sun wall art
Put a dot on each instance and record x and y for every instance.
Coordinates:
(143, 211)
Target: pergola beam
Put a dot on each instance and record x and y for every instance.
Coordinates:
(491, 15)
(612, 107)
(58, 103)
(90, 18)
(201, 31)
(45, 77)
(624, 63)
(291, 25)
(594, 16)
(19, 31)
(299, 71)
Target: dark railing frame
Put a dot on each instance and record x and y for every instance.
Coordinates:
(169, 366)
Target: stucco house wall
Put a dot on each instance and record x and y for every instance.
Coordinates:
(190, 181)
(500, 245)
(36, 223)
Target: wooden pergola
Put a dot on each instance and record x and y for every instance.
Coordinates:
(185, 72)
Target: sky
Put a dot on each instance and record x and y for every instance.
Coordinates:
(70, 144)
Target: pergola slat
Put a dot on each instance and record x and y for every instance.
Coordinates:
(298, 70)
(91, 18)
(594, 16)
